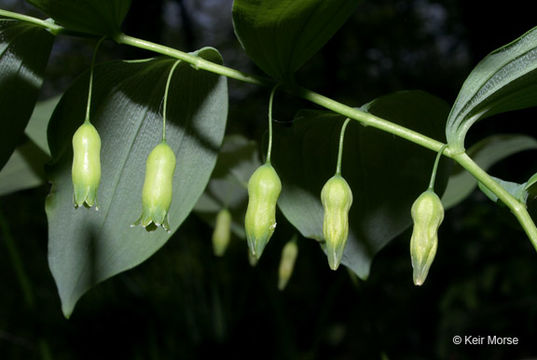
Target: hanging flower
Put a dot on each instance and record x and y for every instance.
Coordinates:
(222, 232)
(264, 188)
(86, 170)
(427, 213)
(336, 197)
(157, 190)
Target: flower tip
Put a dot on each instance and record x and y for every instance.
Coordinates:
(252, 259)
(257, 247)
(166, 225)
(420, 275)
(333, 262)
(254, 254)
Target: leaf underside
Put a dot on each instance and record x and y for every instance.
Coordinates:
(227, 188)
(24, 53)
(504, 80)
(280, 36)
(386, 174)
(88, 246)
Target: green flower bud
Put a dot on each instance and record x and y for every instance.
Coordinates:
(287, 263)
(427, 213)
(86, 170)
(336, 197)
(157, 191)
(222, 232)
(264, 188)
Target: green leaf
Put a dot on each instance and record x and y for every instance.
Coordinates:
(517, 190)
(504, 80)
(531, 186)
(99, 17)
(36, 129)
(280, 35)
(24, 52)
(532, 181)
(485, 153)
(24, 169)
(88, 246)
(227, 188)
(386, 174)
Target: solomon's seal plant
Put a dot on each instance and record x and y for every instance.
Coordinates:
(336, 197)
(268, 32)
(264, 188)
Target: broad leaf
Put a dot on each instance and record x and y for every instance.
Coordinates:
(504, 80)
(485, 153)
(386, 174)
(532, 181)
(280, 35)
(531, 185)
(517, 190)
(88, 246)
(99, 17)
(24, 169)
(227, 188)
(24, 52)
(36, 129)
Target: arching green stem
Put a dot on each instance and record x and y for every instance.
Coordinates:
(49, 25)
(92, 66)
(435, 167)
(340, 150)
(199, 63)
(165, 105)
(196, 61)
(271, 100)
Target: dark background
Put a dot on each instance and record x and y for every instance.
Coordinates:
(183, 303)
